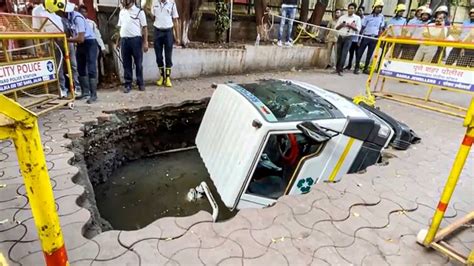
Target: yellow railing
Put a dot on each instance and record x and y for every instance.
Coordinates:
(421, 55)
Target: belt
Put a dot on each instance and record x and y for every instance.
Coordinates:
(163, 29)
(128, 38)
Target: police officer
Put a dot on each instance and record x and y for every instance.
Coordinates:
(83, 36)
(133, 42)
(372, 26)
(164, 14)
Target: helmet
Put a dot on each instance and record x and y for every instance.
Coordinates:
(420, 8)
(427, 11)
(471, 11)
(378, 3)
(55, 5)
(400, 7)
(442, 9)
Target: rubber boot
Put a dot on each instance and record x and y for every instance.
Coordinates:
(93, 89)
(161, 80)
(168, 78)
(85, 86)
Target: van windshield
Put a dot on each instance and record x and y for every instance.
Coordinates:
(289, 102)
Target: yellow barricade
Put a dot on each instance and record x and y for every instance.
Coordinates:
(30, 56)
(435, 57)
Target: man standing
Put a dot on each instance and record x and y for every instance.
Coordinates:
(288, 12)
(434, 31)
(347, 26)
(416, 20)
(371, 28)
(331, 38)
(98, 36)
(396, 27)
(54, 25)
(467, 33)
(355, 39)
(133, 42)
(164, 14)
(86, 51)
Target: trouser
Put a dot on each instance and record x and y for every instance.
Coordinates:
(352, 52)
(425, 53)
(87, 58)
(59, 53)
(73, 61)
(330, 58)
(370, 45)
(343, 45)
(163, 42)
(287, 13)
(397, 50)
(132, 53)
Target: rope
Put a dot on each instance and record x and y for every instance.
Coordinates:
(59, 65)
(26, 47)
(305, 24)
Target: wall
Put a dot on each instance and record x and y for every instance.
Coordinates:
(190, 63)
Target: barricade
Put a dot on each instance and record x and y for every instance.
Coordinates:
(433, 57)
(29, 59)
(434, 237)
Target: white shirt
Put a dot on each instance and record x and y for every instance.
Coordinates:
(354, 20)
(131, 21)
(164, 13)
(40, 14)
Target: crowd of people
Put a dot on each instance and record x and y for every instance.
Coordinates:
(85, 43)
(354, 34)
(349, 36)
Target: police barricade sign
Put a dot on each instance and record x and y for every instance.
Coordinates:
(440, 57)
(26, 74)
(29, 63)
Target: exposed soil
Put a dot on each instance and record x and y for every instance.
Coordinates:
(128, 135)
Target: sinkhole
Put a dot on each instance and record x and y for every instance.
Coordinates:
(138, 166)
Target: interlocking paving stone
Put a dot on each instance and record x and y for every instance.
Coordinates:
(370, 218)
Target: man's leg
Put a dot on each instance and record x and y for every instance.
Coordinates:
(138, 59)
(127, 64)
(168, 56)
(330, 48)
(81, 55)
(92, 48)
(291, 15)
(345, 50)
(339, 45)
(360, 51)
(284, 12)
(352, 52)
(60, 66)
(370, 51)
(159, 45)
(75, 73)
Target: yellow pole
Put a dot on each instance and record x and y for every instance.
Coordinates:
(456, 170)
(32, 161)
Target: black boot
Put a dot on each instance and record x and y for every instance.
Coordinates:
(85, 87)
(93, 89)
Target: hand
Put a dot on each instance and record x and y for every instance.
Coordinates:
(104, 52)
(145, 47)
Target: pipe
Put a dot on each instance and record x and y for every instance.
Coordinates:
(212, 201)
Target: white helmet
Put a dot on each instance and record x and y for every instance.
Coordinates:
(427, 11)
(443, 9)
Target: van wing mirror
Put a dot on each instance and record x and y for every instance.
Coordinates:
(314, 132)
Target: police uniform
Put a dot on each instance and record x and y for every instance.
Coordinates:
(164, 11)
(86, 53)
(131, 21)
(371, 27)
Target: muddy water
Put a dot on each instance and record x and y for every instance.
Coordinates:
(144, 190)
